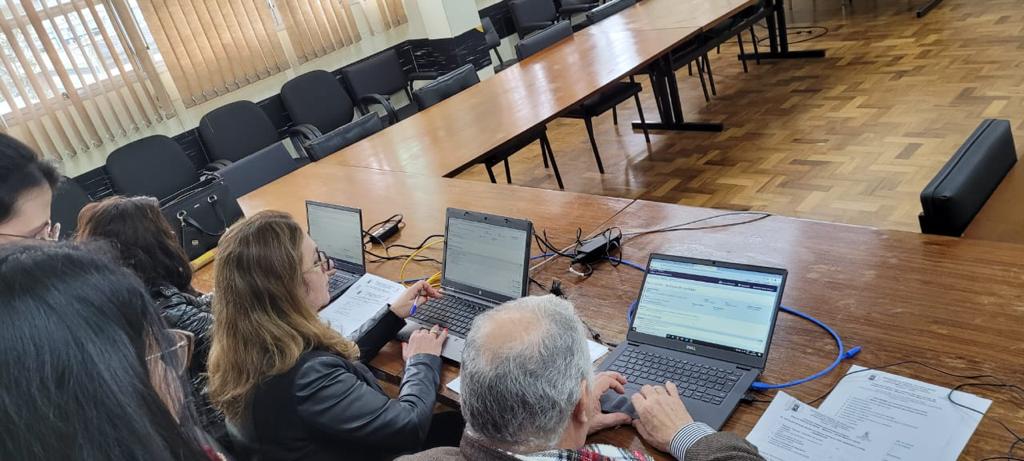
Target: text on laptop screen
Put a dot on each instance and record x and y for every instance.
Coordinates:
(709, 305)
(336, 232)
(485, 256)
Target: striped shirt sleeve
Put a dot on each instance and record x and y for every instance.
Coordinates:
(686, 437)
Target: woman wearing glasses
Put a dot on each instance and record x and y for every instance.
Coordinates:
(294, 387)
(146, 245)
(26, 191)
(88, 370)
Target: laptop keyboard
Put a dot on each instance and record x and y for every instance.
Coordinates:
(695, 381)
(456, 314)
(339, 281)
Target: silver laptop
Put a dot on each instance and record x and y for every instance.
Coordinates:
(338, 232)
(704, 325)
(486, 262)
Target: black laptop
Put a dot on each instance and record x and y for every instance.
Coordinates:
(338, 232)
(486, 263)
(704, 325)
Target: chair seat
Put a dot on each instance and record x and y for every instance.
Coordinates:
(406, 111)
(516, 144)
(607, 98)
(574, 9)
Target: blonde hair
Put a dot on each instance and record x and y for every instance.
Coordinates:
(262, 323)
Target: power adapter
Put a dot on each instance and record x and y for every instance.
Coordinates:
(596, 248)
(386, 230)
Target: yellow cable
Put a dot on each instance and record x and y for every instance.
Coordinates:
(433, 279)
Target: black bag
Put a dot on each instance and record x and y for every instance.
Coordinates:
(200, 214)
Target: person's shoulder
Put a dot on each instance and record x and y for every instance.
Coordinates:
(435, 454)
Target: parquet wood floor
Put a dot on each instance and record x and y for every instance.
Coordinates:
(852, 138)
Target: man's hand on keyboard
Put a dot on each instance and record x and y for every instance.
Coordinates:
(661, 414)
(603, 382)
(418, 293)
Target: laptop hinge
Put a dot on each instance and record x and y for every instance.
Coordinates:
(471, 296)
(741, 367)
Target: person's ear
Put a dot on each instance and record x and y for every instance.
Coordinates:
(581, 413)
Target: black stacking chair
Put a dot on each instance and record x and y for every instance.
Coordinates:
(68, 200)
(343, 136)
(155, 166)
(958, 192)
(375, 80)
(445, 86)
(567, 8)
(236, 130)
(598, 104)
(258, 169)
(532, 15)
(493, 42)
(323, 111)
(608, 10)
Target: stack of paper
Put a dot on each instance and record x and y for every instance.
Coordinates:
(361, 305)
(871, 415)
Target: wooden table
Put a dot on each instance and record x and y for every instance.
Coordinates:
(673, 14)
(1002, 217)
(956, 304)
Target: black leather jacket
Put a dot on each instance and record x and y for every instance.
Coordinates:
(329, 408)
(183, 311)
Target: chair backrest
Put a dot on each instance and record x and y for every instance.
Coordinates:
(235, 130)
(68, 200)
(526, 12)
(445, 86)
(317, 98)
(608, 10)
(379, 74)
(961, 188)
(490, 34)
(258, 169)
(155, 166)
(542, 39)
(343, 137)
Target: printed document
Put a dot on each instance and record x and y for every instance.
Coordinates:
(359, 308)
(924, 423)
(791, 430)
(596, 350)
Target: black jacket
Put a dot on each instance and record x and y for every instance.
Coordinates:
(183, 311)
(329, 408)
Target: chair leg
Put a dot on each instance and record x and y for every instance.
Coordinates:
(542, 156)
(711, 77)
(593, 143)
(508, 172)
(753, 39)
(643, 122)
(490, 174)
(615, 116)
(496, 53)
(739, 41)
(545, 146)
(689, 68)
(703, 83)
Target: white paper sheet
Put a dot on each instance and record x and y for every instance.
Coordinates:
(360, 306)
(791, 430)
(597, 350)
(925, 424)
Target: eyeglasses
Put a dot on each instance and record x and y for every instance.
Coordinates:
(323, 262)
(37, 233)
(182, 351)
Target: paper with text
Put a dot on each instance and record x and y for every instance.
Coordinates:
(596, 350)
(361, 305)
(925, 424)
(791, 430)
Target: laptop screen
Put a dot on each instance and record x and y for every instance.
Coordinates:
(338, 232)
(486, 256)
(726, 308)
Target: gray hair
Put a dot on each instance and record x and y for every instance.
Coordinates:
(520, 394)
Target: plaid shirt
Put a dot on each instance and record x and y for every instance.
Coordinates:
(588, 453)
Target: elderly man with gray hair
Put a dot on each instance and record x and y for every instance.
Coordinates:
(529, 393)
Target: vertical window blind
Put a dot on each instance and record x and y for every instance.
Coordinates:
(74, 74)
(318, 27)
(213, 47)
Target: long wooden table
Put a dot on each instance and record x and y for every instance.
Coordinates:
(954, 303)
(1002, 217)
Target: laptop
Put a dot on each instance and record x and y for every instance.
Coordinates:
(486, 263)
(704, 325)
(338, 232)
